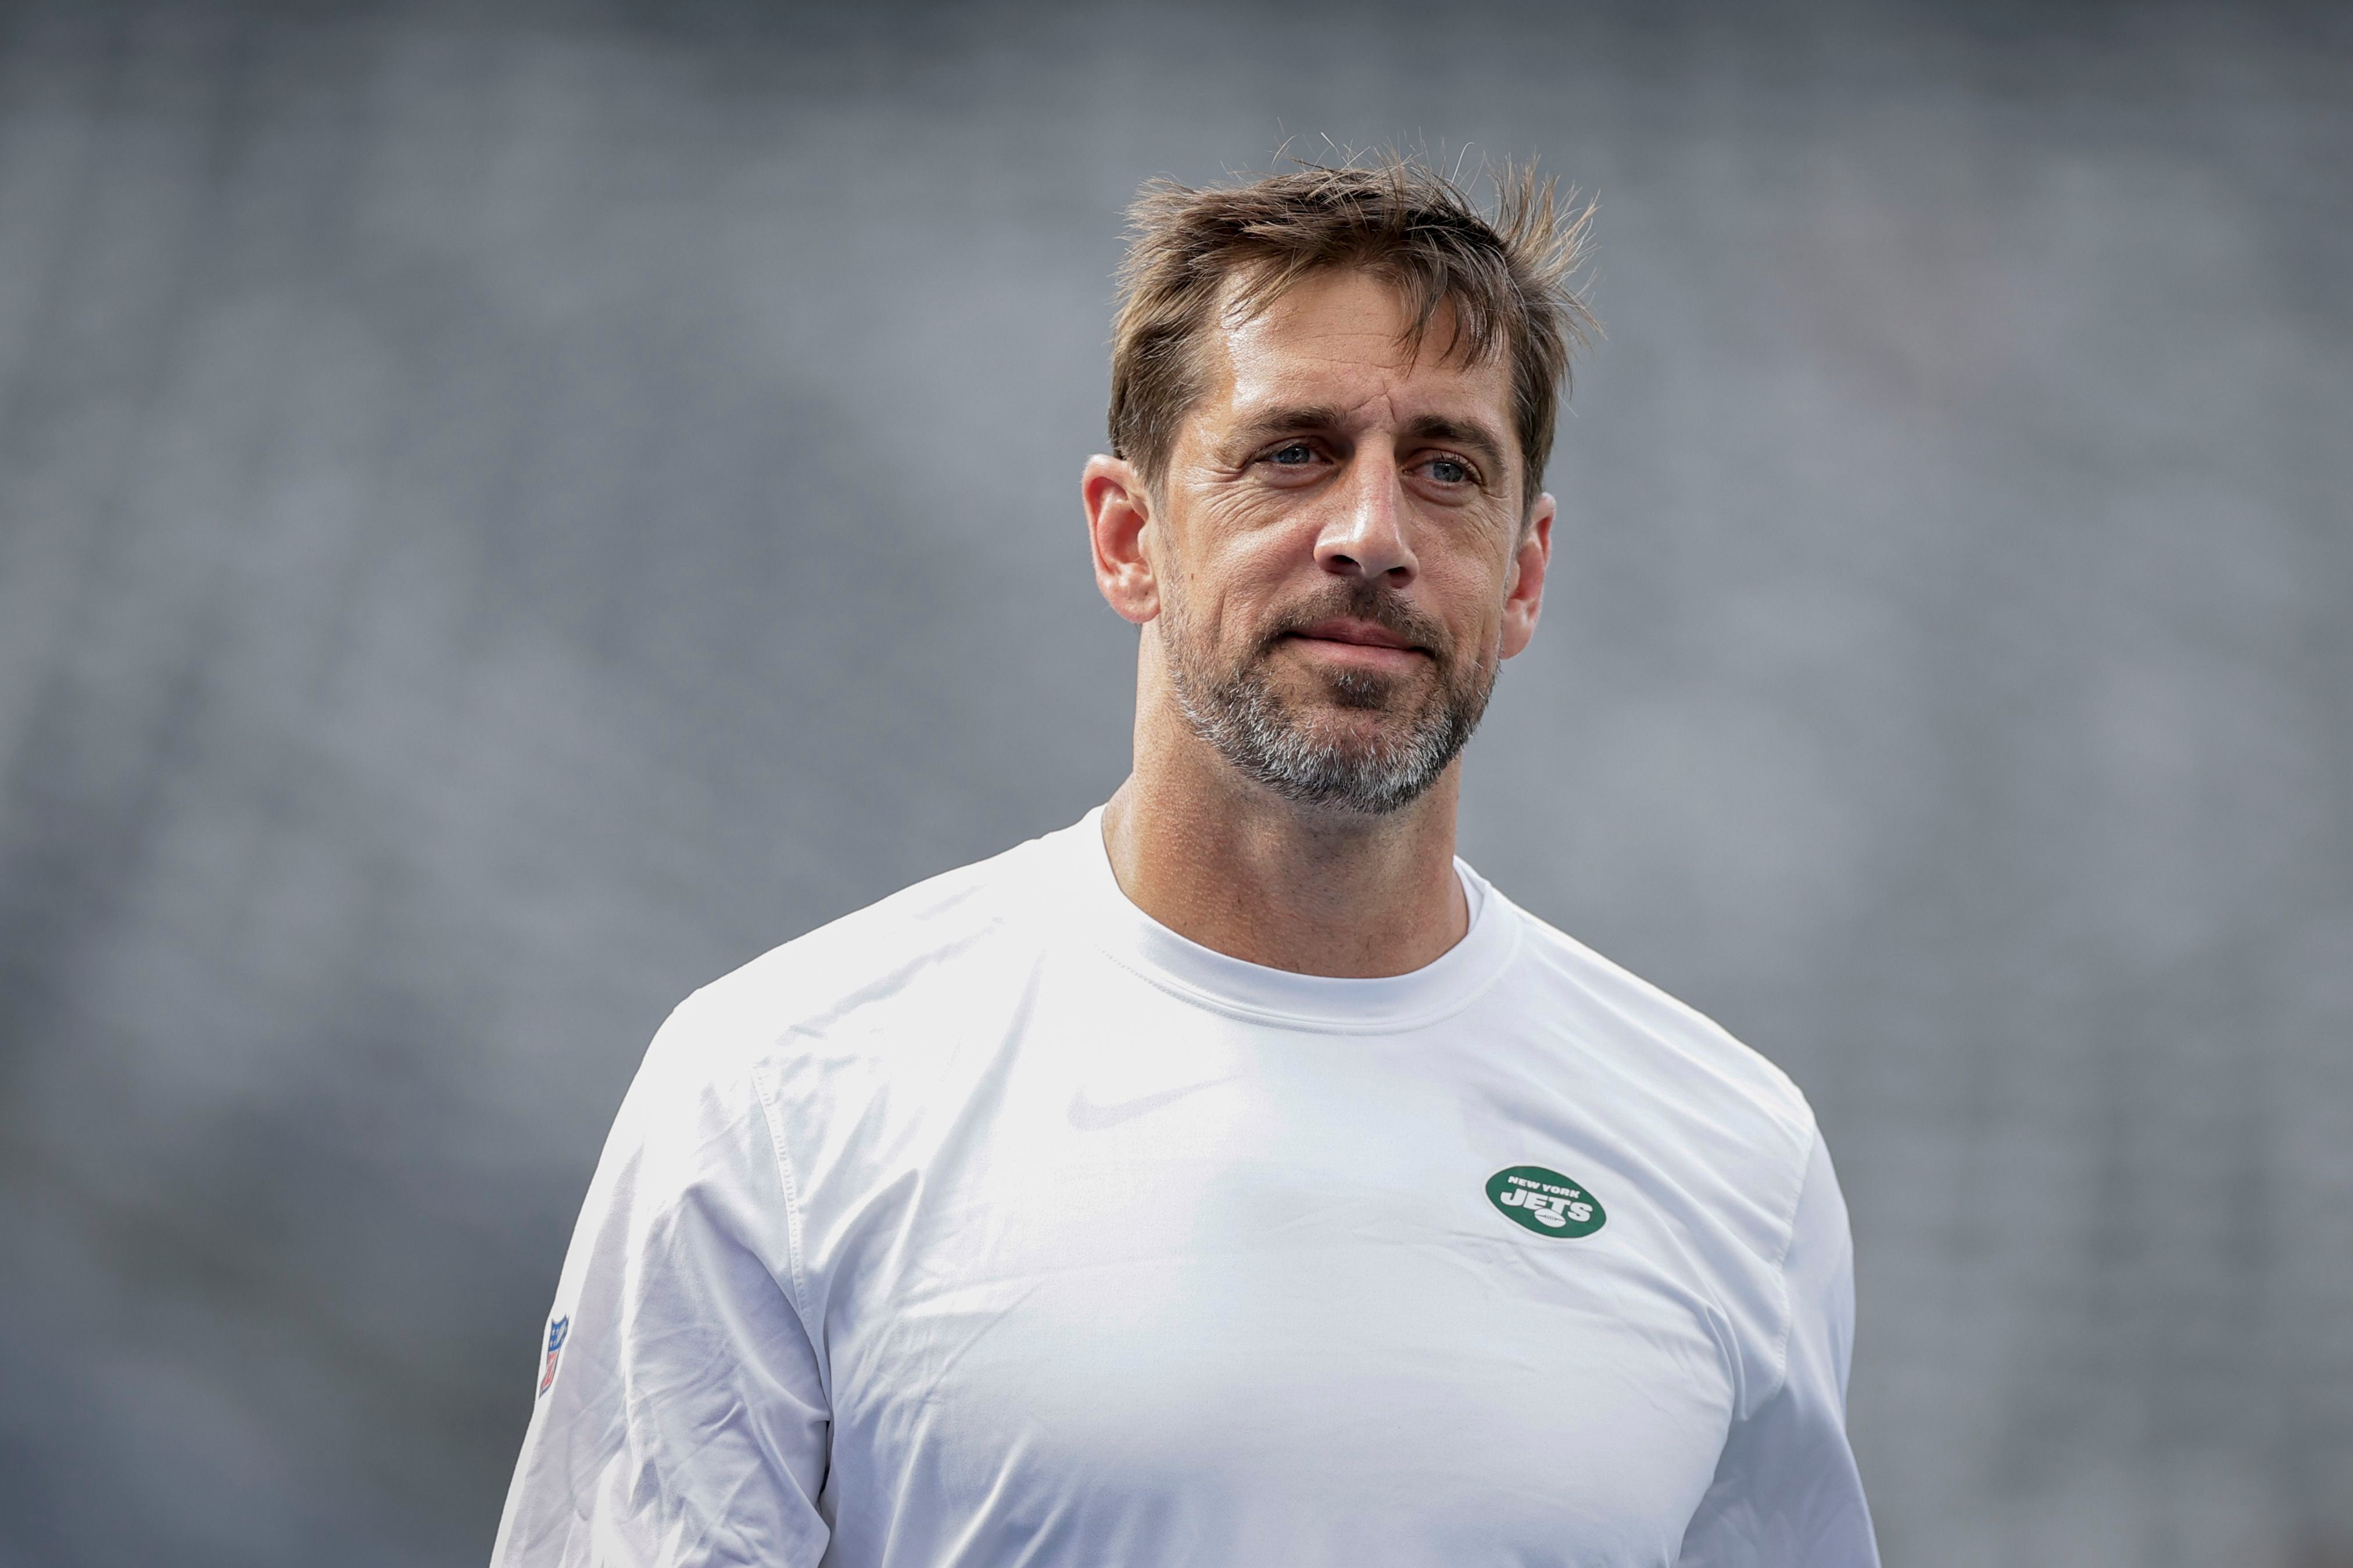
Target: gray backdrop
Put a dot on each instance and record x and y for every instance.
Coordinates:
(507, 512)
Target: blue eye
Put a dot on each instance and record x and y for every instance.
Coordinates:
(1298, 452)
(1447, 471)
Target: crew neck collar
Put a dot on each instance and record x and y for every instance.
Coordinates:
(1208, 978)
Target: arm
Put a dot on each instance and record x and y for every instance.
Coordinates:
(686, 1423)
(1786, 1494)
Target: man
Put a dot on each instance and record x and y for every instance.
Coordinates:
(1234, 1177)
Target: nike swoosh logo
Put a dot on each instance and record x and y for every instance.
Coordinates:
(1088, 1117)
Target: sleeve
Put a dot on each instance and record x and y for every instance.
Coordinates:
(1786, 1492)
(680, 1417)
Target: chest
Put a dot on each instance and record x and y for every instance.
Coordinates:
(1251, 1283)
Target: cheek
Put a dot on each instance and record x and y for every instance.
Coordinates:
(1235, 587)
(1472, 591)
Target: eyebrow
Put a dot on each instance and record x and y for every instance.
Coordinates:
(1286, 421)
(1461, 433)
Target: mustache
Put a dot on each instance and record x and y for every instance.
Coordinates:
(1362, 601)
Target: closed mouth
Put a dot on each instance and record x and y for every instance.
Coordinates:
(1358, 634)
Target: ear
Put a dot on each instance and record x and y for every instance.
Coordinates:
(1118, 509)
(1524, 583)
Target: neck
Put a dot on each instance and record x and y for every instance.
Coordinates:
(1229, 864)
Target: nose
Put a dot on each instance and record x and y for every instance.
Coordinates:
(1365, 534)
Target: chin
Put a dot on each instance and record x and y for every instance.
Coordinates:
(1364, 692)
(1362, 731)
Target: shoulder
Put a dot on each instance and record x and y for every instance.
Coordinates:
(932, 934)
(829, 1021)
(1669, 1045)
(1662, 1055)
(1723, 1142)
(701, 1126)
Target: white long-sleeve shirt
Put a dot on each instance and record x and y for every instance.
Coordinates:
(998, 1225)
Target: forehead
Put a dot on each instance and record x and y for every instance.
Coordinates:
(1339, 341)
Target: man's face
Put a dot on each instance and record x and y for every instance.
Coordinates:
(1343, 564)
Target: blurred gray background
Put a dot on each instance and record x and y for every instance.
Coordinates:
(508, 511)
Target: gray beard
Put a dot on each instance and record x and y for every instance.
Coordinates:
(1239, 713)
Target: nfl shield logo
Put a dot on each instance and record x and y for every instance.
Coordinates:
(555, 1333)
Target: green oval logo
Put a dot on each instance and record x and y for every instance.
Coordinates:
(1544, 1201)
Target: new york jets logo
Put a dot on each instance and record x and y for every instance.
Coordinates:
(1544, 1201)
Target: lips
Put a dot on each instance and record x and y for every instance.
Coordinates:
(1358, 634)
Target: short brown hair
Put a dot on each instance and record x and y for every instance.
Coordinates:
(1506, 274)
